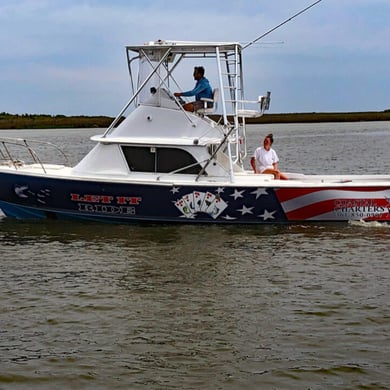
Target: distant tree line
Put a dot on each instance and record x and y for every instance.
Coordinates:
(45, 121)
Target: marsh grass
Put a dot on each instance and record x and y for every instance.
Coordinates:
(42, 121)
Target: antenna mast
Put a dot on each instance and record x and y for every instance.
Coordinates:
(281, 24)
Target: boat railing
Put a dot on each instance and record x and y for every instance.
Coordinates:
(263, 103)
(181, 169)
(245, 109)
(18, 152)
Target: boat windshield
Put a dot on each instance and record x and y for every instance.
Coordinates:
(147, 63)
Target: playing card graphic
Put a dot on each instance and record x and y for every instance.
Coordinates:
(217, 207)
(189, 199)
(183, 207)
(201, 202)
(198, 200)
(208, 199)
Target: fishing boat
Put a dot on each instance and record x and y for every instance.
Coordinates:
(159, 163)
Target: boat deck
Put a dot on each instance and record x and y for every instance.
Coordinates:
(244, 178)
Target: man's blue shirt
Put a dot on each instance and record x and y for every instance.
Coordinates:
(202, 90)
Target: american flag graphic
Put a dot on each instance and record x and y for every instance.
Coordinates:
(270, 205)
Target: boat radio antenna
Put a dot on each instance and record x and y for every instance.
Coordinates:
(281, 24)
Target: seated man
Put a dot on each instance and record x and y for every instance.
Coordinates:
(202, 89)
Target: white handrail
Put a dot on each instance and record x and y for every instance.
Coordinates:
(5, 142)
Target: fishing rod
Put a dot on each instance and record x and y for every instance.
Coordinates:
(281, 24)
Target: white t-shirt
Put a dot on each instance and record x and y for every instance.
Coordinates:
(265, 159)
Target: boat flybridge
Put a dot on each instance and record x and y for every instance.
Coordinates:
(160, 137)
(158, 162)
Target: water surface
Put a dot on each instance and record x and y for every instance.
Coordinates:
(93, 306)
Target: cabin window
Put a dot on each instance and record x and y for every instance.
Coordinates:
(164, 160)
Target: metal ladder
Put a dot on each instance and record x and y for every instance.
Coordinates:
(231, 86)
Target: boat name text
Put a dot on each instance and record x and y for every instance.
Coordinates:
(106, 199)
(106, 204)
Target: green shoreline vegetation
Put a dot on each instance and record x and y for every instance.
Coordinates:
(42, 121)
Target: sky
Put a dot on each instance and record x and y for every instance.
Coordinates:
(67, 57)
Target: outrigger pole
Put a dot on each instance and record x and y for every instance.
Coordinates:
(281, 24)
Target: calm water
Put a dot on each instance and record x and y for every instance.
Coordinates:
(89, 306)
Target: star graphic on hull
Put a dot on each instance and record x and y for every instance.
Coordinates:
(259, 192)
(245, 210)
(219, 190)
(237, 194)
(228, 217)
(174, 189)
(267, 215)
